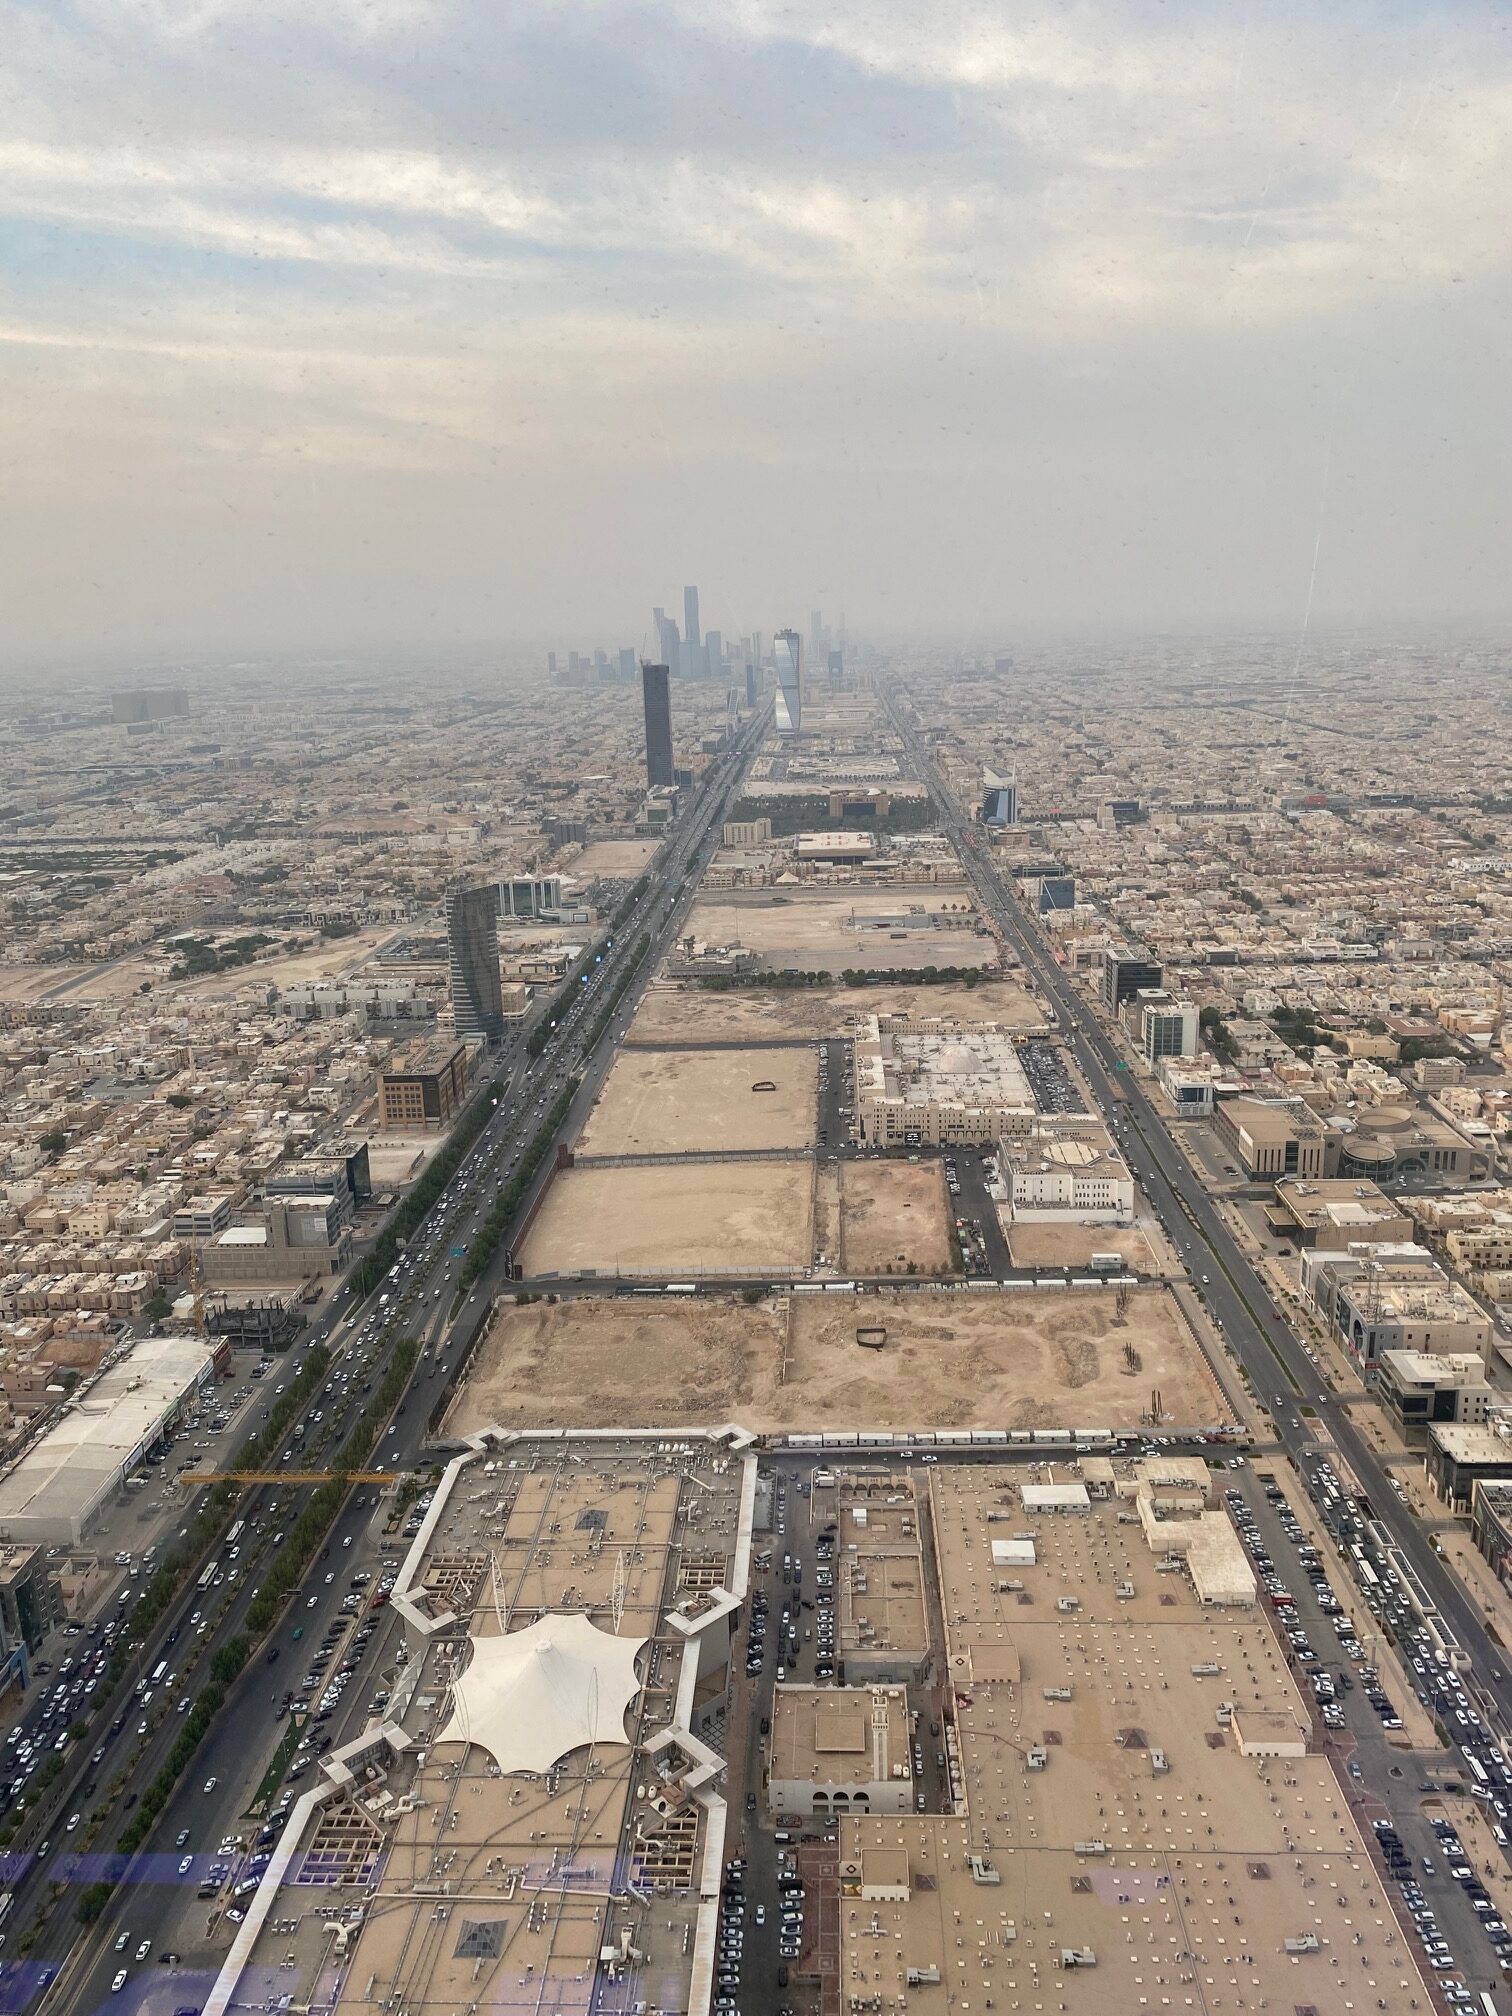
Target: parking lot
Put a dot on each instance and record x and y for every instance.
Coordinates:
(1055, 1090)
(1463, 1935)
(766, 1904)
(837, 1094)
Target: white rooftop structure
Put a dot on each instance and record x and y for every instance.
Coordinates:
(529, 1697)
(59, 1484)
(1056, 1498)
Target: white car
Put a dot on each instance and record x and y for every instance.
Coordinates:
(119, 1982)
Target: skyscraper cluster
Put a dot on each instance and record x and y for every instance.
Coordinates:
(696, 653)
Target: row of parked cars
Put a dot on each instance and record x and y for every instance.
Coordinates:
(1435, 1945)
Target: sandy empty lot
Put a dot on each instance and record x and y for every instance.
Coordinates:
(667, 1102)
(672, 1013)
(26, 983)
(828, 932)
(624, 858)
(1009, 1360)
(1074, 1245)
(620, 1362)
(892, 1213)
(951, 1359)
(675, 1217)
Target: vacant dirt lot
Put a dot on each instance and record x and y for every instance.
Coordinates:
(1009, 1360)
(951, 1360)
(624, 858)
(624, 1362)
(26, 983)
(1074, 1245)
(675, 1217)
(829, 931)
(667, 1102)
(892, 1213)
(671, 1013)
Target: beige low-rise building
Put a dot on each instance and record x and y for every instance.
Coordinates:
(838, 1750)
(1333, 1213)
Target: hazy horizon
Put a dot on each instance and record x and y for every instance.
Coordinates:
(410, 327)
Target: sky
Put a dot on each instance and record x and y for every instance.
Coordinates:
(454, 323)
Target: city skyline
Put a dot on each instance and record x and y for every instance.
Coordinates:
(1144, 317)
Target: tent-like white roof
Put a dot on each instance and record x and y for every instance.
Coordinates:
(530, 1696)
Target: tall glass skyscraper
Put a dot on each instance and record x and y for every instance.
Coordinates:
(658, 703)
(472, 943)
(787, 648)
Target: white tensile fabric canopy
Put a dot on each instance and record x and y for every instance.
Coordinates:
(530, 1696)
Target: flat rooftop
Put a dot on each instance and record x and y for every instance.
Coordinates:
(81, 1455)
(965, 1065)
(1141, 1840)
(879, 1568)
(827, 1735)
(474, 1887)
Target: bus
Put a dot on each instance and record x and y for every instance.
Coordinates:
(158, 1671)
(207, 1576)
(238, 1527)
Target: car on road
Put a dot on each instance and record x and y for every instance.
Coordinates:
(119, 1982)
(210, 1784)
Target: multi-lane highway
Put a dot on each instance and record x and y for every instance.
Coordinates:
(157, 1907)
(1305, 1408)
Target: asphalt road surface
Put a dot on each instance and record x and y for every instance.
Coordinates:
(156, 1906)
(1256, 1334)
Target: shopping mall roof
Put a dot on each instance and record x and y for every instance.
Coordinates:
(529, 1697)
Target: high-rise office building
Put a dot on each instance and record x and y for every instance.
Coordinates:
(472, 944)
(1126, 972)
(551, 666)
(750, 685)
(658, 702)
(668, 643)
(149, 703)
(690, 616)
(713, 649)
(787, 649)
(627, 663)
(1000, 806)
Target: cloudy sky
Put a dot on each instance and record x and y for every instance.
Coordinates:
(447, 322)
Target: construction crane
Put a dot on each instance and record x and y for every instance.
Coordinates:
(196, 1477)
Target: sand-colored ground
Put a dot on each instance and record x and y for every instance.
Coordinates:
(625, 858)
(400, 1158)
(119, 979)
(675, 1217)
(29, 983)
(819, 931)
(324, 962)
(1074, 1245)
(893, 1213)
(673, 1013)
(951, 1359)
(670, 1102)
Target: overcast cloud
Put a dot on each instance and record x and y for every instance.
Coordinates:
(453, 321)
